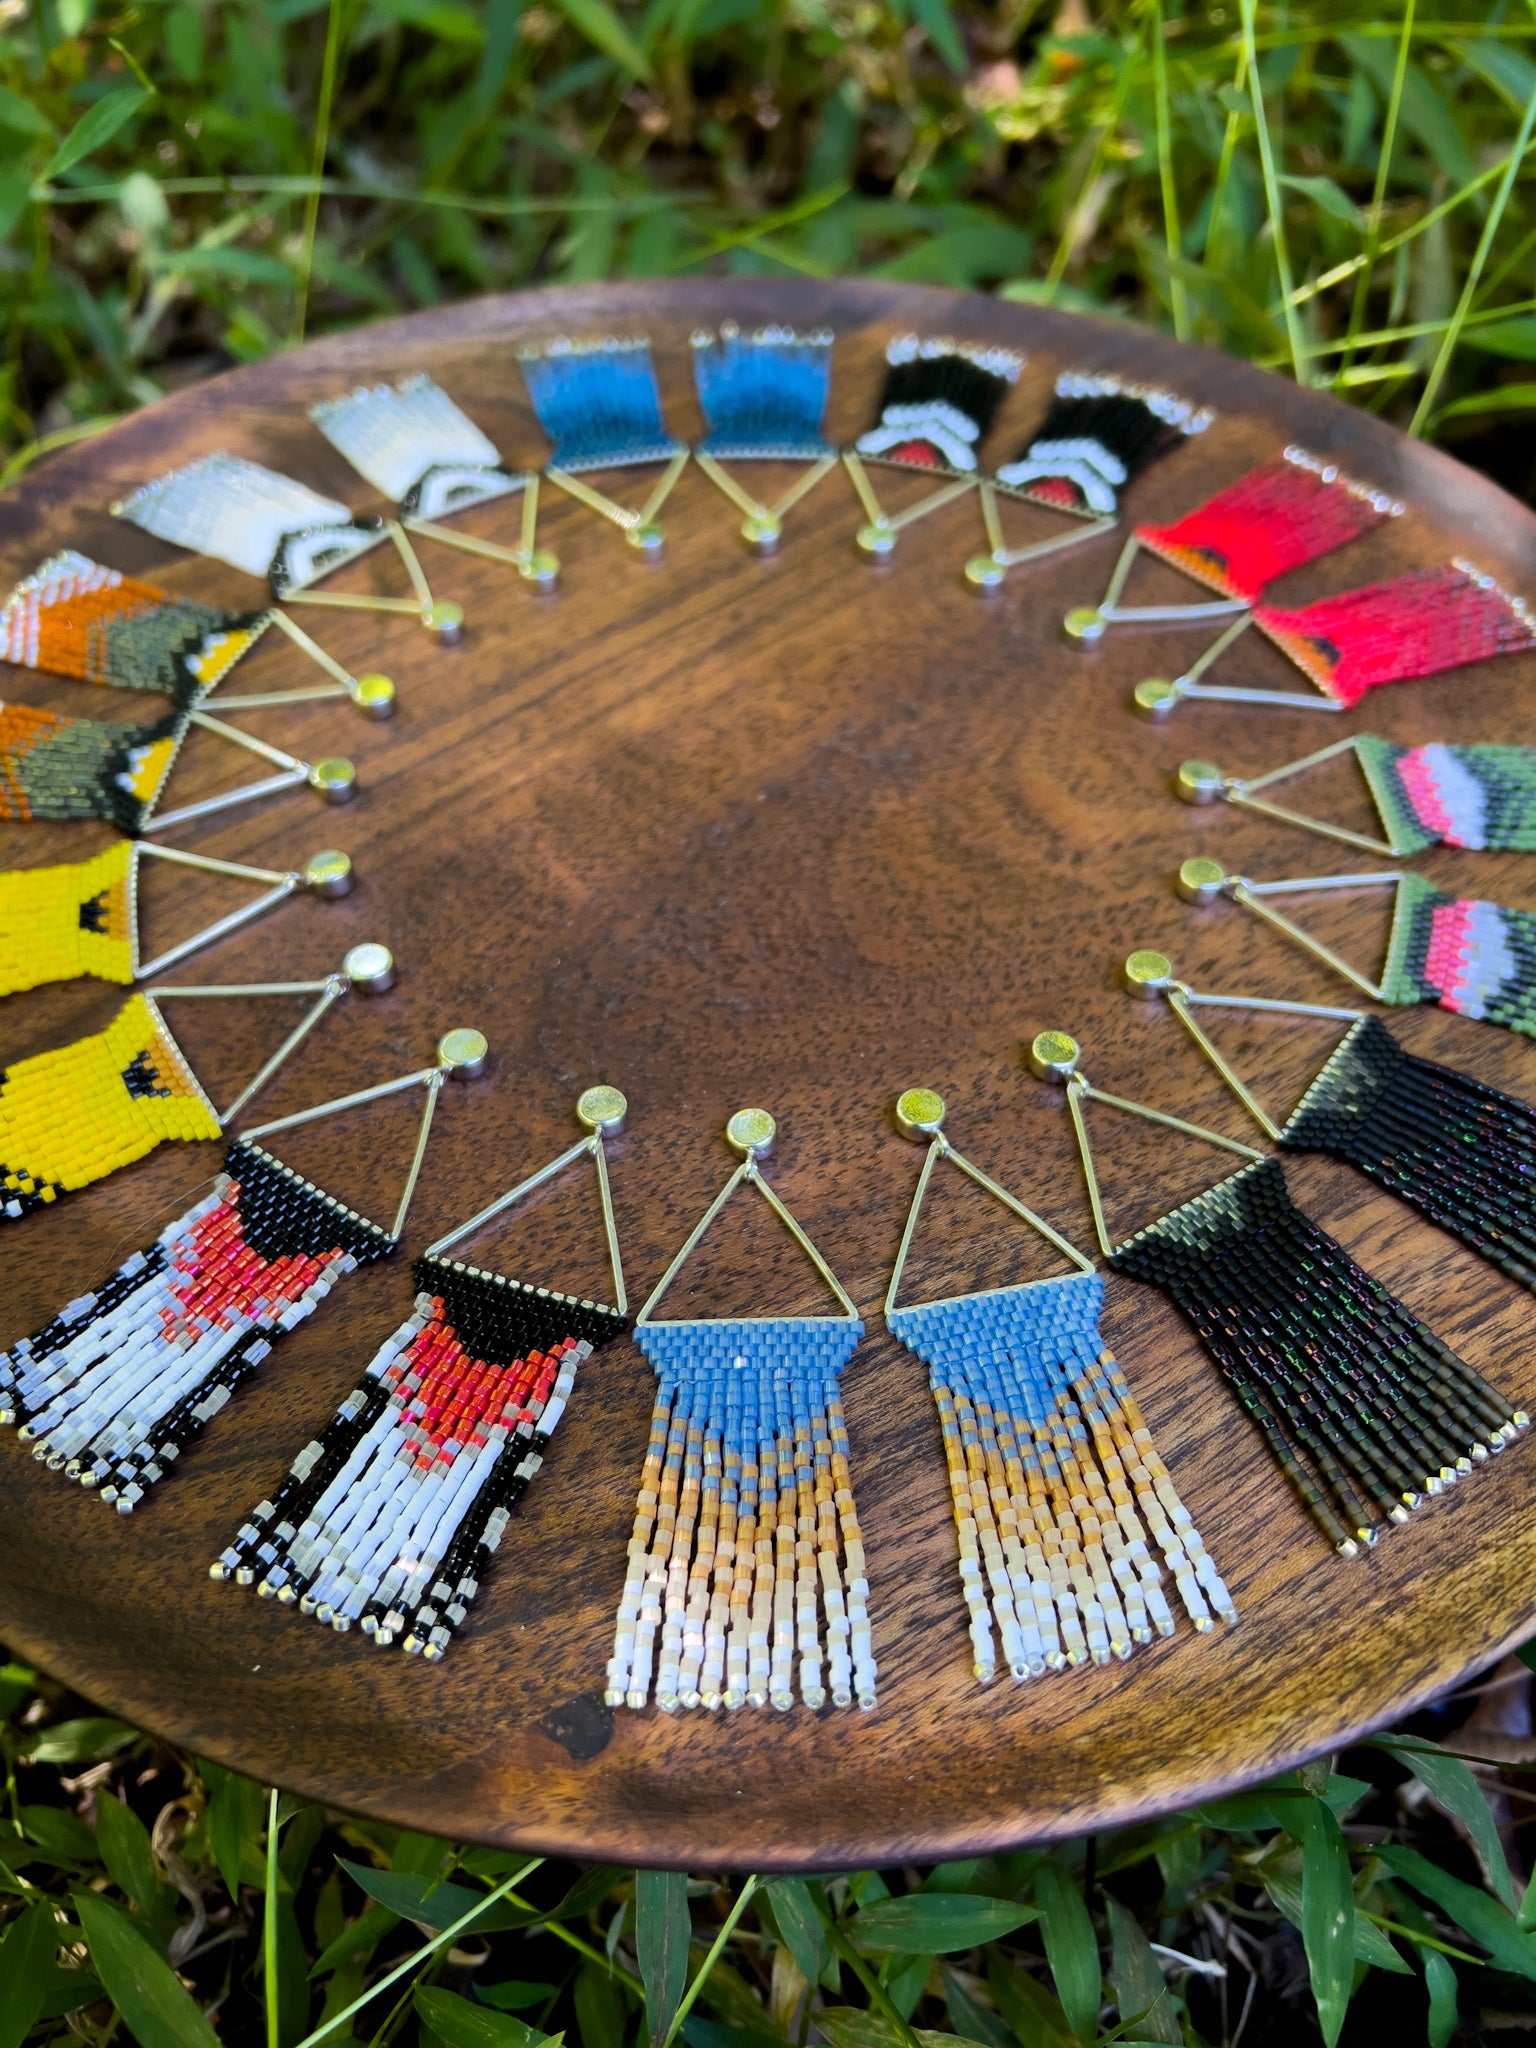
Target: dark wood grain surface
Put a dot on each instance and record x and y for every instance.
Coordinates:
(798, 833)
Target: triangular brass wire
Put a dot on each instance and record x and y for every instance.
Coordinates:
(1080, 1090)
(1241, 790)
(941, 1148)
(889, 524)
(282, 886)
(1252, 896)
(1001, 557)
(622, 516)
(328, 992)
(762, 523)
(749, 1172)
(592, 1145)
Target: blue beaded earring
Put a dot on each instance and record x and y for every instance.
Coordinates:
(1053, 1474)
(599, 403)
(764, 398)
(746, 1545)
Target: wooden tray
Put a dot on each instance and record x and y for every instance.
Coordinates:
(799, 833)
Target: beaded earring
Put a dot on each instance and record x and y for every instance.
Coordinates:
(937, 402)
(1274, 519)
(1418, 624)
(1098, 434)
(1477, 798)
(68, 769)
(82, 918)
(1049, 1458)
(599, 403)
(71, 1116)
(116, 1387)
(764, 399)
(1460, 1152)
(71, 617)
(1365, 1411)
(1475, 958)
(745, 1492)
(276, 528)
(418, 450)
(389, 1518)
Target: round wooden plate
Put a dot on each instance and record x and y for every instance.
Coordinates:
(797, 833)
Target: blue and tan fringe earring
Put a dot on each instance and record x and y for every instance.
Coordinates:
(388, 1520)
(764, 399)
(1366, 1412)
(1053, 1474)
(599, 404)
(418, 450)
(116, 1387)
(1098, 434)
(746, 1548)
(1472, 957)
(936, 404)
(1462, 1153)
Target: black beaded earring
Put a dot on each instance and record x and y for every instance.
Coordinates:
(1365, 1410)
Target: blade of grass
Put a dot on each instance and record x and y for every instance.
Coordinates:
(701, 1975)
(317, 163)
(1063, 251)
(1224, 167)
(1179, 298)
(1272, 198)
(1371, 251)
(269, 1986)
(1452, 334)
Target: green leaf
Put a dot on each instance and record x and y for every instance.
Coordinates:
(124, 1843)
(1332, 198)
(589, 1890)
(1071, 1949)
(1424, 113)
(938, 25)
(436, 1906)
(26, 1971)
(1327, 1912)
(952, 1877)
(794, 1912)
(445, 19)
(1514, 338)
(234, 1827)
(1141, 1991)
(1440, 1980)
(512, 1996)
(1483, 1918)
(1504, 398)
(67, 1991)
(1281, 1879)
(96, 126)
(600, 2012)
(250, 265)
(20, 114)
(60, 1832)
(157, 2010)
(1508, 70)
(1034, 2015)
(662, 1932)
(845, 2026)
(976, 2022)
(465, 2025)
(937, 1923)
(357, 1940)
(80, 1742)
(596, 20)
(1452, 1786)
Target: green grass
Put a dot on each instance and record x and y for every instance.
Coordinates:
(144, 1894)
(1339, 195)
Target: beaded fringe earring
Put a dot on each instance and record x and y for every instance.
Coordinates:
(418, 450)
(1365, 1410)
(274, 527)
(71, 617)
(599, 403)
(389, 1518)
(116, 1387)
(70, 769)
(1474, 958)
(1418, 624)
(1463, 1154)
(71, 1116)
(1274, 519)
(82, 918)
(734, 1560)
(938, 401)
(1481, 799)
(1053, 1474)
(1098, 434)
(764, 399)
